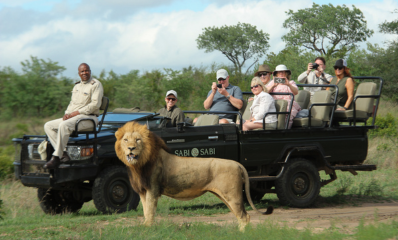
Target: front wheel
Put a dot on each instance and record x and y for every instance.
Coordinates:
(299, 185)
(112, 191)
(57, 202)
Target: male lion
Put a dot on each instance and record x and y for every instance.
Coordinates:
(154, 171)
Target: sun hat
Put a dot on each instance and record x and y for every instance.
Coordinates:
(171, 92)
(340, 63)
(222, 73)
(263, 68)
(281, 68)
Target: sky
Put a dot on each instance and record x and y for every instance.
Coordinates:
(125, 35)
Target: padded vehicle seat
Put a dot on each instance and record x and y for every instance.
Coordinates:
(320, 115)
(206, 119)
(281, 106)
(363, 106)
(246, 114)
(303, 98)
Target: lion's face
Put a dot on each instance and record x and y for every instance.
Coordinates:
(132, 146)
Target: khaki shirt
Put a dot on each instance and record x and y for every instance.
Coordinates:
(86, 97)
(175, 114)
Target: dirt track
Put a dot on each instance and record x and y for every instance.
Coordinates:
(345, 218)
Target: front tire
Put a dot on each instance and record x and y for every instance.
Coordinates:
(53, 202)
(112, 191)
(299, 185)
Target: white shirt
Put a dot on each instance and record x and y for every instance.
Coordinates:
(262, 104)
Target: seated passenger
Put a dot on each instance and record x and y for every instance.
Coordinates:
(226, 98)
(345, 83)
(171, 110)
(263, 103)
(286, 86)
(318, 76)
(264, 73)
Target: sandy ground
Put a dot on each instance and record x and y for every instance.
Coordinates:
(345, 218)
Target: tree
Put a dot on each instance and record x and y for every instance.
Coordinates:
(326, 29)
(238, 43)
(390, 27)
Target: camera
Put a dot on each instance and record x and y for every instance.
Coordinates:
(279, 80)
(315, 66)
(219, 85)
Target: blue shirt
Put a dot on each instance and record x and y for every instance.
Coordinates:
(221, 103)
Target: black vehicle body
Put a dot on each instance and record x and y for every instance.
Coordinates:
(283, 161)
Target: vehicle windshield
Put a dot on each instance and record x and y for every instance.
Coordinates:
(117, 120)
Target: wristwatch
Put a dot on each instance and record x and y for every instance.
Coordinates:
(228, 96)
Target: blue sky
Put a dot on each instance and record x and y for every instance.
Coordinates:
(123, 35)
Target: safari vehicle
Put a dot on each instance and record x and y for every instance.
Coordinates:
(282, 161)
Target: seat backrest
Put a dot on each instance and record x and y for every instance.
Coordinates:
(205, 120)
(281, 106)
(303, 98)
(105, 103)
(321, 112)
(243, 108)
(246, 114)
(365, 104)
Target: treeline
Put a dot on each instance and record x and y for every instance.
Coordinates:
(40, 90)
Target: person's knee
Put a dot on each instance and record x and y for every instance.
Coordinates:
(223, 121)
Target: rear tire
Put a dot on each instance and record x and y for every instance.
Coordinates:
(53, 202)
(299, 185)
(112, 191)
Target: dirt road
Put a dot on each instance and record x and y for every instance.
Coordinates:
(346, 218)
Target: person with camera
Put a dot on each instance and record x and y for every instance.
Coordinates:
(318, 76)
(282, 84)
(345, 83)
(171, 110)
(224, 97)
(262, 104)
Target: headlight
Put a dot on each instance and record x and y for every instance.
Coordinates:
(81, 152)
(33, 152)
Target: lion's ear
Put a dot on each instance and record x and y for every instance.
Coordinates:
(118, 134)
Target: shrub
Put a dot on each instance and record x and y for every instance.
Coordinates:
(387, 126)
(6, 166)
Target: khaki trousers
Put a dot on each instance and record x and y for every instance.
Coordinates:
(58, 131)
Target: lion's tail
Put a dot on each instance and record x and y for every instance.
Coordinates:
(270, 209)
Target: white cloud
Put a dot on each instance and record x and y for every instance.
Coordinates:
(147, 41)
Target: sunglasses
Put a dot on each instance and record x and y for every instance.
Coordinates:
(339, 68)
(263, 74)
(171, 99)
(255, 86)
(222, 79)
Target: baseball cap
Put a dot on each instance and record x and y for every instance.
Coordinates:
(222, 73)
(171, 92)
(340, 63)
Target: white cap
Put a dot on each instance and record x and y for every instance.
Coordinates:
(171, 92)
(222, 73)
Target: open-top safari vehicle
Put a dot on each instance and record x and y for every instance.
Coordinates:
(282, 161)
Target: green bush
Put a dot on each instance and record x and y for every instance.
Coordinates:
(387, 126)
(6, 159)
(1, 211)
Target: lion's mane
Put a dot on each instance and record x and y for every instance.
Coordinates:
(140, 173)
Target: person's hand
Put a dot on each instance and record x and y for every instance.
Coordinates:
(214, 87)
(309, 68)
(250, 99)
(340, 109)
(71, 115)
(286, 82)
(65, 117)
(222, 91)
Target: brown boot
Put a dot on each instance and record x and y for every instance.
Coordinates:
(65, 158)
(53, 163)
